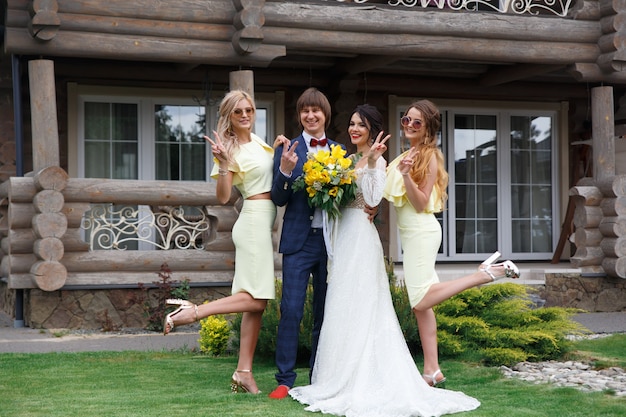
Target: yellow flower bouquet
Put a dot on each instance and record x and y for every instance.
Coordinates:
(329, 180)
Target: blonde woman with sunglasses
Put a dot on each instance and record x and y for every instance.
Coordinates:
(416, 185)
(245, 161)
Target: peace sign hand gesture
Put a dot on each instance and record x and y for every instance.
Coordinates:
(407, 162)
(289, 158)
(217, 147)
(378, 148)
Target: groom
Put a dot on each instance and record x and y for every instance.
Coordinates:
(302, 240)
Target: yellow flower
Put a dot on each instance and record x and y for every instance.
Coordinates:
(328, 179)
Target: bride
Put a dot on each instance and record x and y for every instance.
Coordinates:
(363, 366)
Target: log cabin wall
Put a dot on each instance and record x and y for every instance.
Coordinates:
(354, 53)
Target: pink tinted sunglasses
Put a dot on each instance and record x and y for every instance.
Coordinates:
(407, 121)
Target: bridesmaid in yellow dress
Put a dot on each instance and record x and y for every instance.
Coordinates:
(245, 161)
(416, 185)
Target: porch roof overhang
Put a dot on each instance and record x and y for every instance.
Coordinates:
(341, 38)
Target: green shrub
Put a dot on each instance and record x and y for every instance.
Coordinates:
(495, 323)
(504, 356)
(214, 335)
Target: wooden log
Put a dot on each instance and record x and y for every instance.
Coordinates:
(212, 28)
(537, 52)
(222, 241)
(186, 10)
(591, 194)
(152, 193)
(49, 275)
(130, 261)
(242, 80)
(226, 217)
(587, 216)
(614, 267)
(49, 249)
(18, 189)
(21, 214)
(74, 213)
(610, 7)
(51, 178)
(591, 72)
(587, 237)
(613, 23)
(614, 246)
(49, 225)
(585, 10)
(45, 22)
(22, 241)
(45, 129)
(48, 201)
(611, 42)
(613, 186)
(586, 256)
(125, 279)
(615, 206)
(613, 226)
(195, 260)
(612, 61)
(422, 22)
(141, 48)
(603, 132)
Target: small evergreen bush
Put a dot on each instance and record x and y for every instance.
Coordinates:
(495, 323)
(214, 335)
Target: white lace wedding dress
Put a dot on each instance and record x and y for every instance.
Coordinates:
(363, 367)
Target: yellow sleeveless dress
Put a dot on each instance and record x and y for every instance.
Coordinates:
(420, 234)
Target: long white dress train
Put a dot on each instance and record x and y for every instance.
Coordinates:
(363, 366)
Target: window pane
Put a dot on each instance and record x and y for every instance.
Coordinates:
(125, 160)
(260, 123)
(97, 160)
(180, 149)
(111, 140)
(97, 121)
(531, 183)
(476, 176)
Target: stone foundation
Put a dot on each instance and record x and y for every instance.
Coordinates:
(98, 309)
(592, 294)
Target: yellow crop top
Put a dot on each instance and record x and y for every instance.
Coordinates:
(252, 167)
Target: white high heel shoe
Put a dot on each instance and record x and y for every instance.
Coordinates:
(169, 321)
(510, 269)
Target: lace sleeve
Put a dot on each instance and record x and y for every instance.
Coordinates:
(373, 183)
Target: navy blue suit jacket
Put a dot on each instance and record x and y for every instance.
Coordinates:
(298, 214)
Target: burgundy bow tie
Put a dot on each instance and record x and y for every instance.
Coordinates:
(318, 142)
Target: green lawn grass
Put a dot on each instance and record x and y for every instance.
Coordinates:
(182, 383)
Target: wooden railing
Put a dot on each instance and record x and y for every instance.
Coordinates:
(43, 244)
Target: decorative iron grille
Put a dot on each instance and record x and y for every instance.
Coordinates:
(532, 7)
(114, 227)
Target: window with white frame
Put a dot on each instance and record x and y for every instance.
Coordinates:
(503, 192)
(130, 135)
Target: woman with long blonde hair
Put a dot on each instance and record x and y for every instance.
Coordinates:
(245, 161)
(416, 185)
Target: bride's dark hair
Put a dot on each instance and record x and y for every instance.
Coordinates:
(374, 119)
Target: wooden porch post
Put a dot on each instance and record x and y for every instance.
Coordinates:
(603, 132)
(45, 129)
(242, 80)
